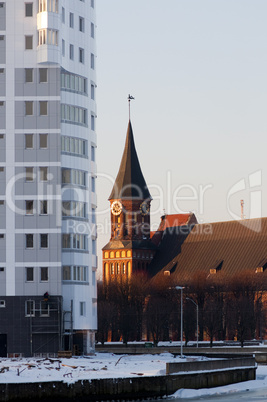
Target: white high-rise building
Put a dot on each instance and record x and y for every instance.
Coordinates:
(47, 176)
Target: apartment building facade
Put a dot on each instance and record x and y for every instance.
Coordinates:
(47, 176)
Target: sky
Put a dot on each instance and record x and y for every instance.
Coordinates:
(198, 72)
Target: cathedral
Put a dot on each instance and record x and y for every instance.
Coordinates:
(180, 248)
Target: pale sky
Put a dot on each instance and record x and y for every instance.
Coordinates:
(198, 72)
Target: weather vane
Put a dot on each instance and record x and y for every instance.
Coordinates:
(130, 97)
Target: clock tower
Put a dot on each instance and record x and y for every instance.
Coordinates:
(129, 249)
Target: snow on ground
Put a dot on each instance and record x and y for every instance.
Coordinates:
(108, 365)
(101, 365)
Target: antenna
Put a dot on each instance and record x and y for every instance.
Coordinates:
(130, 97)
(242, 209)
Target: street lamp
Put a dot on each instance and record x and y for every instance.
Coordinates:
(188, 298)
(181, 289)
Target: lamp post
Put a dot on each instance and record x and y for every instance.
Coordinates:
(181, 289)
(188, 298)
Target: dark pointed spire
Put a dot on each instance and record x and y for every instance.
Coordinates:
(130, 182)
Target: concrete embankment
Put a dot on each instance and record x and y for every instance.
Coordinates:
(131, 388)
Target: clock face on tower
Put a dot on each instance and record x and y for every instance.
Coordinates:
(144, 208)
(116, 208)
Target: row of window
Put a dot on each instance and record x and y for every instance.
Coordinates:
(81, 54)
(69, 113)
(128, 253)
(74, 114)
(47, 37)
(74, 145)
(75, 273)
(29, 207)
(43, 240)
(81, 22)
(74, 176)
(30, 175)
(29, 141)
(43, 75)
(74, 82)
(30, 273)
(50, 37)
(44, 308)
(118, 269)
(45, 5)
(74, 208)
(42, 109)
(74, 241)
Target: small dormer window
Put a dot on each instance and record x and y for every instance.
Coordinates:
(167, 273)
(217, 266)
(262, 266)
(259, 269)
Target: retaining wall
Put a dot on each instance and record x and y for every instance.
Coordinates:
(121, 388)
(210, 364)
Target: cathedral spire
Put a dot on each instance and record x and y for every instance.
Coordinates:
(130, 182)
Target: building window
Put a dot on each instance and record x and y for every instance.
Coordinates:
(63, 15)
(92, 30)
(48, 36)
(81, 55)
(29, 240)
(74, 241)
(74, 208)
(48, 5)
(28, 9)
(94, 247)
(71, 20)
(81, 24)
(73, 176)
(29, 207)
(30, 308)
(28, 108)
(29, 173)
(43, 240)
(93, 3)
(43, 106)
(28, 42)
(82, 308)
(44, 274)
(93, 216)
(43, 173)
(92, 122)
(74, 82)
(66, 273)
(74, 114)
(29, 274)
(43, 141)
(28, 141)
(93, 184)
(43, 207)
(92, 91)
(92, 153)
(73, 145)
(28, 74)
(92, 61)
(66, 241)
(71, 52)
(63, 48)
(43, 72)
(44, 309)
